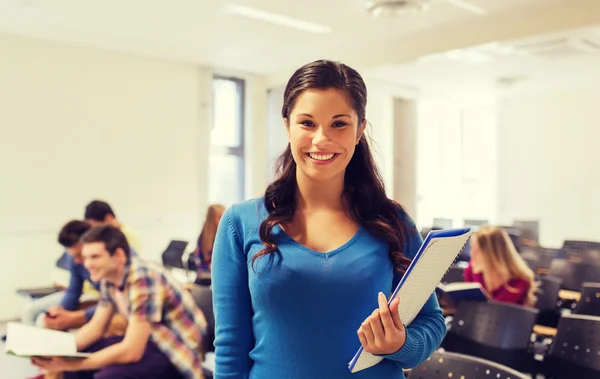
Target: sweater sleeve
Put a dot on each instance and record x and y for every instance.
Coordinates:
(426, 332)
(232, 305)
(70, 300)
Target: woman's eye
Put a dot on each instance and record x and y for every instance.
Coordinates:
(307, 123)
(339, 124)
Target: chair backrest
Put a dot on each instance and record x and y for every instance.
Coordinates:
(547, 297)
(572, 273)
(495, 324)
(577, 341)
(589, 303)
(530, 229)
(546, 256)
(172, 256)
(587, 251)
(444, 365)
(455, 274)
(203, 297)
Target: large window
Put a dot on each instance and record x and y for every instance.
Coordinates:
(226, 159)
(456, 155)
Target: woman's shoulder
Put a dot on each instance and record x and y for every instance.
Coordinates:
(248, 212)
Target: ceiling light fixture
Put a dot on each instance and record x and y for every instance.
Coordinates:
(393, 8)
(276, 19)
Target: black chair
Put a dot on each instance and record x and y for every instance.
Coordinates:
(444, 365)
(172, 256)
(587, 251)
(203, 297)
(500, 332)
(574, 273)
(589, 303)
(455, 274)
(546, 256)
(575, 352)
(547, 301)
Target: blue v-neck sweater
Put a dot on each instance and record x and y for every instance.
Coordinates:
(297, 316)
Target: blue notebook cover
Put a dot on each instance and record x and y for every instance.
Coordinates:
(457, 292)
(434, 258)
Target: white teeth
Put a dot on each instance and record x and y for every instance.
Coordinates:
(319, 157)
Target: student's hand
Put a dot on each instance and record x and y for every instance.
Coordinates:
(57, 364)
(59, 319)
(383, 332)
(55, 310)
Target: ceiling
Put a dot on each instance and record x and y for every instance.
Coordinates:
(551, 62)
(200, 31)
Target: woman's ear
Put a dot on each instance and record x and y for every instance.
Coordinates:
(361, 131)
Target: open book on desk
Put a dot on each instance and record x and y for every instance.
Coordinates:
(435, 256)
(30, 341)
(457, 292)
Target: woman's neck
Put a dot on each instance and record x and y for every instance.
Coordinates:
(318, 195)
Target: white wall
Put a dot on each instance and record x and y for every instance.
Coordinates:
(549, 164)
(78, 124)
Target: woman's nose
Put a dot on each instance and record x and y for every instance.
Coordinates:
(321, 136)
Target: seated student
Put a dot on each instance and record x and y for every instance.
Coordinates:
(203, 254)
(496, 264)
(99, 212)
(163, 336)
(62, 306)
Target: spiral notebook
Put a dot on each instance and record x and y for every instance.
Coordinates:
(435, 256)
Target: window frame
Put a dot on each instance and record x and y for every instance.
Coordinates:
(237, 151)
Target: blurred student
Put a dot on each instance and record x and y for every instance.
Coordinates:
(60, 310)
(99, 212)
(203, 254)
(163, 336)
(498, 267)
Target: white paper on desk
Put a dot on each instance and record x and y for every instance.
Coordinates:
(30, 341)
(419, 282)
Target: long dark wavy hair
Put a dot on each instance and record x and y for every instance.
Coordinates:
(364, 191)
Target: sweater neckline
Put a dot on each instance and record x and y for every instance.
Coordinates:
(327, 254)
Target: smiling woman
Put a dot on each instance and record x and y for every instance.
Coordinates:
(297, 272)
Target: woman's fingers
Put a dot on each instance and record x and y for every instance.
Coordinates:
(377, 326)
(394, 310)
(385, 314)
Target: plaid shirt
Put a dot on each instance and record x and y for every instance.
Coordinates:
(149, 293)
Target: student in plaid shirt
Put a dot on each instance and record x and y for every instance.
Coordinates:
(163, 337)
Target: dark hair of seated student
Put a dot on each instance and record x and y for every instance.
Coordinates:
(498, 267)
(97, 211)
(71, 233)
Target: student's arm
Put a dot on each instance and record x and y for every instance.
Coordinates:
(514, 294)
(146, 308)
(232, 306)
(70, 300)
(95, 329)
(426, 332)
(129, 350)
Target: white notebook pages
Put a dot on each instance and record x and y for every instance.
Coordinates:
(439, 250)
(30, 341)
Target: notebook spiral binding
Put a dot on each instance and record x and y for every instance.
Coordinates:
(458, 255)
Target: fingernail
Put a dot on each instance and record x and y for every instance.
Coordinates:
(381, 295)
